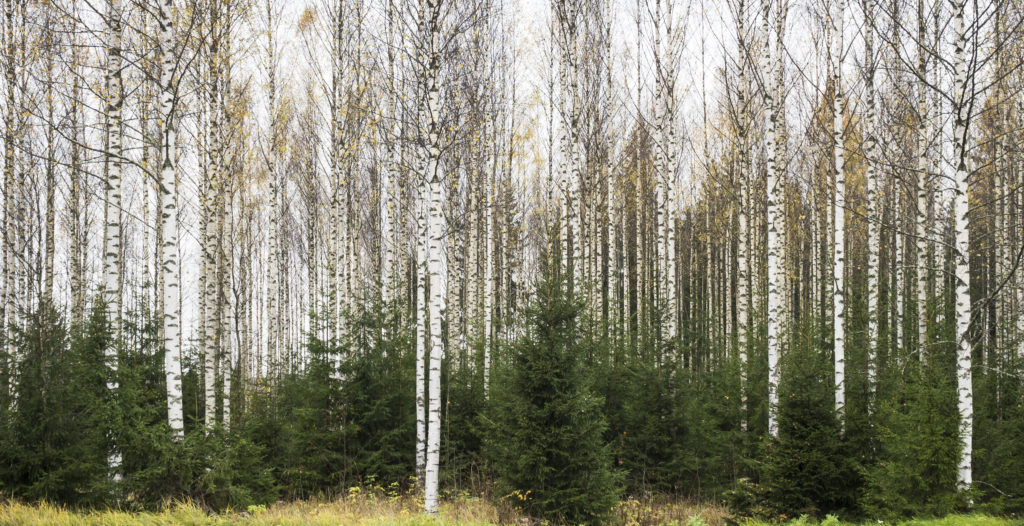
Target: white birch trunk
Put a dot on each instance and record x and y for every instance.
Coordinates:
(670, 145)
(871, 154)
(225, 254)
(921, 187)
(775, 238)
(961, 261)
(75, 191)
(488, 273)
(169, 224)
(273, 299)
(436, 269)
(334, 244)
(660, 166)
(839, 217)
(742, 237)
(422, 231)
(208, 271)
(10, 224)
(899, 285)
(112, 220)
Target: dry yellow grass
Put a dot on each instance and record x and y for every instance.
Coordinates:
(664, 510)
(357, 511)
(382, 510)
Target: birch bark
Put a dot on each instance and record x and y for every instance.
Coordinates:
(961, 269)
(169, 223)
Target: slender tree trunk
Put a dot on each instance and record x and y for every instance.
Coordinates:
(922, 182)
(77, 233)
(961, 259)
(112, 217)
(743, 236)
(51, 165)
(489, 204)
(871, 159)
(223, 339)
(169, 224)
(274, 298)
(437, 279)
(10, 221)
(421, 320)
(210, 194)
(775, 238)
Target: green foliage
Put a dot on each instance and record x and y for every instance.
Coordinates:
(578, 411)
(377, 401)
(918, 444)
(325, 428)
(462, 398)
(57, 437)
(808, 469)
(999, 450)
(544, 430)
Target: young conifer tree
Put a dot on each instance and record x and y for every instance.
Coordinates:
(545, 434)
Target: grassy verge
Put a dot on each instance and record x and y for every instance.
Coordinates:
(404, 511)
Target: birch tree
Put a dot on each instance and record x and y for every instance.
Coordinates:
(839, 211)
(274, 295)
(775, 236)
(743, 307)
(430, 39)
(169, 221)
(962, 93)
(873, 222)
(112, 208)
(922, 181)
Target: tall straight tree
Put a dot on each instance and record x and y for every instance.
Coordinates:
(112, 208)
(430, 55)
(10, 126)
(568, 27)
(839, 213)
(209, 236)
(77, 197)
(922, 181)
(742, 146)
(962, 99)
(873, 223)
(169, 222)
(274, 302)
(776, 239)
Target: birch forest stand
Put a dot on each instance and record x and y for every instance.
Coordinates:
(554, 253)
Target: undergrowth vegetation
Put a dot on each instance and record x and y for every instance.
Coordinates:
(367, 508)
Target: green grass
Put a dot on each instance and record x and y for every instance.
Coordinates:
(369, 510)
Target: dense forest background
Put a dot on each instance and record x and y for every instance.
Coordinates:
(767, 253)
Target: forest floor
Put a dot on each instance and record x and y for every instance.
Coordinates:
(365, 510)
